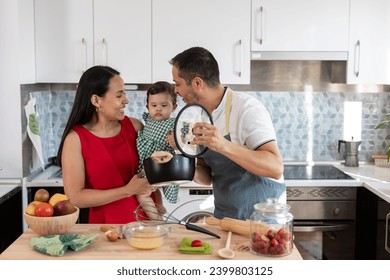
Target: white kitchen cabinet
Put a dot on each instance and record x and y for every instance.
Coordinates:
(26, 41)
(369, 42)
(64, 39)
(300, 26)
(73, 35)
(222, 27)
(122, 37)
(10, 113)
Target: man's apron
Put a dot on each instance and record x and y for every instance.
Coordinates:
(235, 189)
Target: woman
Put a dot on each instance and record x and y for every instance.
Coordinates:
(98, 152)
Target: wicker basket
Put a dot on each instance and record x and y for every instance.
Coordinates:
(381, 161)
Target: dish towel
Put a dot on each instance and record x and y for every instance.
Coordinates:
(57, 245)
(171, 193)
(185, 247)
(34, 134)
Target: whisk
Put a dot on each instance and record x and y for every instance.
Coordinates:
(149, 211)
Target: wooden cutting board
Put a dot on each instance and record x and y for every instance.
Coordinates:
(103, 249)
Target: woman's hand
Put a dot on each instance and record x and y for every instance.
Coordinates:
(139, 185)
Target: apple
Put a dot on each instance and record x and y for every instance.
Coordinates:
(44, 209)
(42, 195)
(56, 198)
(63, 207)
(31, 207)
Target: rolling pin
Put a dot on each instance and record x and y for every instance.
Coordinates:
(236, 226)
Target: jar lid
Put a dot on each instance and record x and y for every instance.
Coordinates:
(272, 206)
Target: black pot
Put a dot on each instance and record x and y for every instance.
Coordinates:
(178, 170)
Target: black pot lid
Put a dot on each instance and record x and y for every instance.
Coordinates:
(185, 120)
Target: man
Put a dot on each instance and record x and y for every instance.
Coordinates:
(243, 161)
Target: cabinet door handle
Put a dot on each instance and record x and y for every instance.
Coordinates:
(105, 51)
(240, 58)
(356, 67)
(259, 32)
(84, 54)
(387, 247)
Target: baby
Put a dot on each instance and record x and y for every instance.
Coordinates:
(160, 102)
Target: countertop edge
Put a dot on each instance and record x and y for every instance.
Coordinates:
(381, 189)
(8, 192)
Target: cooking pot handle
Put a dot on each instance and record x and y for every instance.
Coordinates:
(199, 229)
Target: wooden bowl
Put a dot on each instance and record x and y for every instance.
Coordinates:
(52, 225)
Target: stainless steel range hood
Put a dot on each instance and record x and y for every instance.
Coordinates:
(298, 75)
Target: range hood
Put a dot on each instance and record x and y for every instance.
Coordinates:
(298, 75)
(300, 55)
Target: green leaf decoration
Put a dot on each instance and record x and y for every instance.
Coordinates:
(33, 124)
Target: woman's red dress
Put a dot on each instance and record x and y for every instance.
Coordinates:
(110, 163)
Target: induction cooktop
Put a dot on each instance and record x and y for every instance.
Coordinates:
(314, 172)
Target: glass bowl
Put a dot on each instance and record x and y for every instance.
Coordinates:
(146, 235)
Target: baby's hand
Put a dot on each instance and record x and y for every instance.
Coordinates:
(170, 140)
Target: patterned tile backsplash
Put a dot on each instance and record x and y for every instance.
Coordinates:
(308, 124)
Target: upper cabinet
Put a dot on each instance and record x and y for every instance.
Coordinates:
(63, 39)
(26, 41)
(139, 37)
(73, 35)
(300, 26)
(10, 114)
(369, 42)
(222, 27)
(122, 37)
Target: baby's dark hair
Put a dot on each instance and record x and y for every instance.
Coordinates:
(159, 87)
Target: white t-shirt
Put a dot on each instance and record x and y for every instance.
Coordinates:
(250, 123)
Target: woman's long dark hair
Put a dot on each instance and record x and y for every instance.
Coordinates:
(93, 81)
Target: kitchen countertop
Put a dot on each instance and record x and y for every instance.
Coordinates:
(375, 179)
(47, 178)
(367, 172)
(102, 249)
(7, 192)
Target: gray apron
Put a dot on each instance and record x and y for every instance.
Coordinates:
(235, 189)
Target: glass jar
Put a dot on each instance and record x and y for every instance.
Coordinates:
(271, 229)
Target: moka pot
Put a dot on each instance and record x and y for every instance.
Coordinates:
(351, 152)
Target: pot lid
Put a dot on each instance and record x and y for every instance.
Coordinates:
(185, 120)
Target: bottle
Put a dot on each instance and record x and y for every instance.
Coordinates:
(271, 226)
